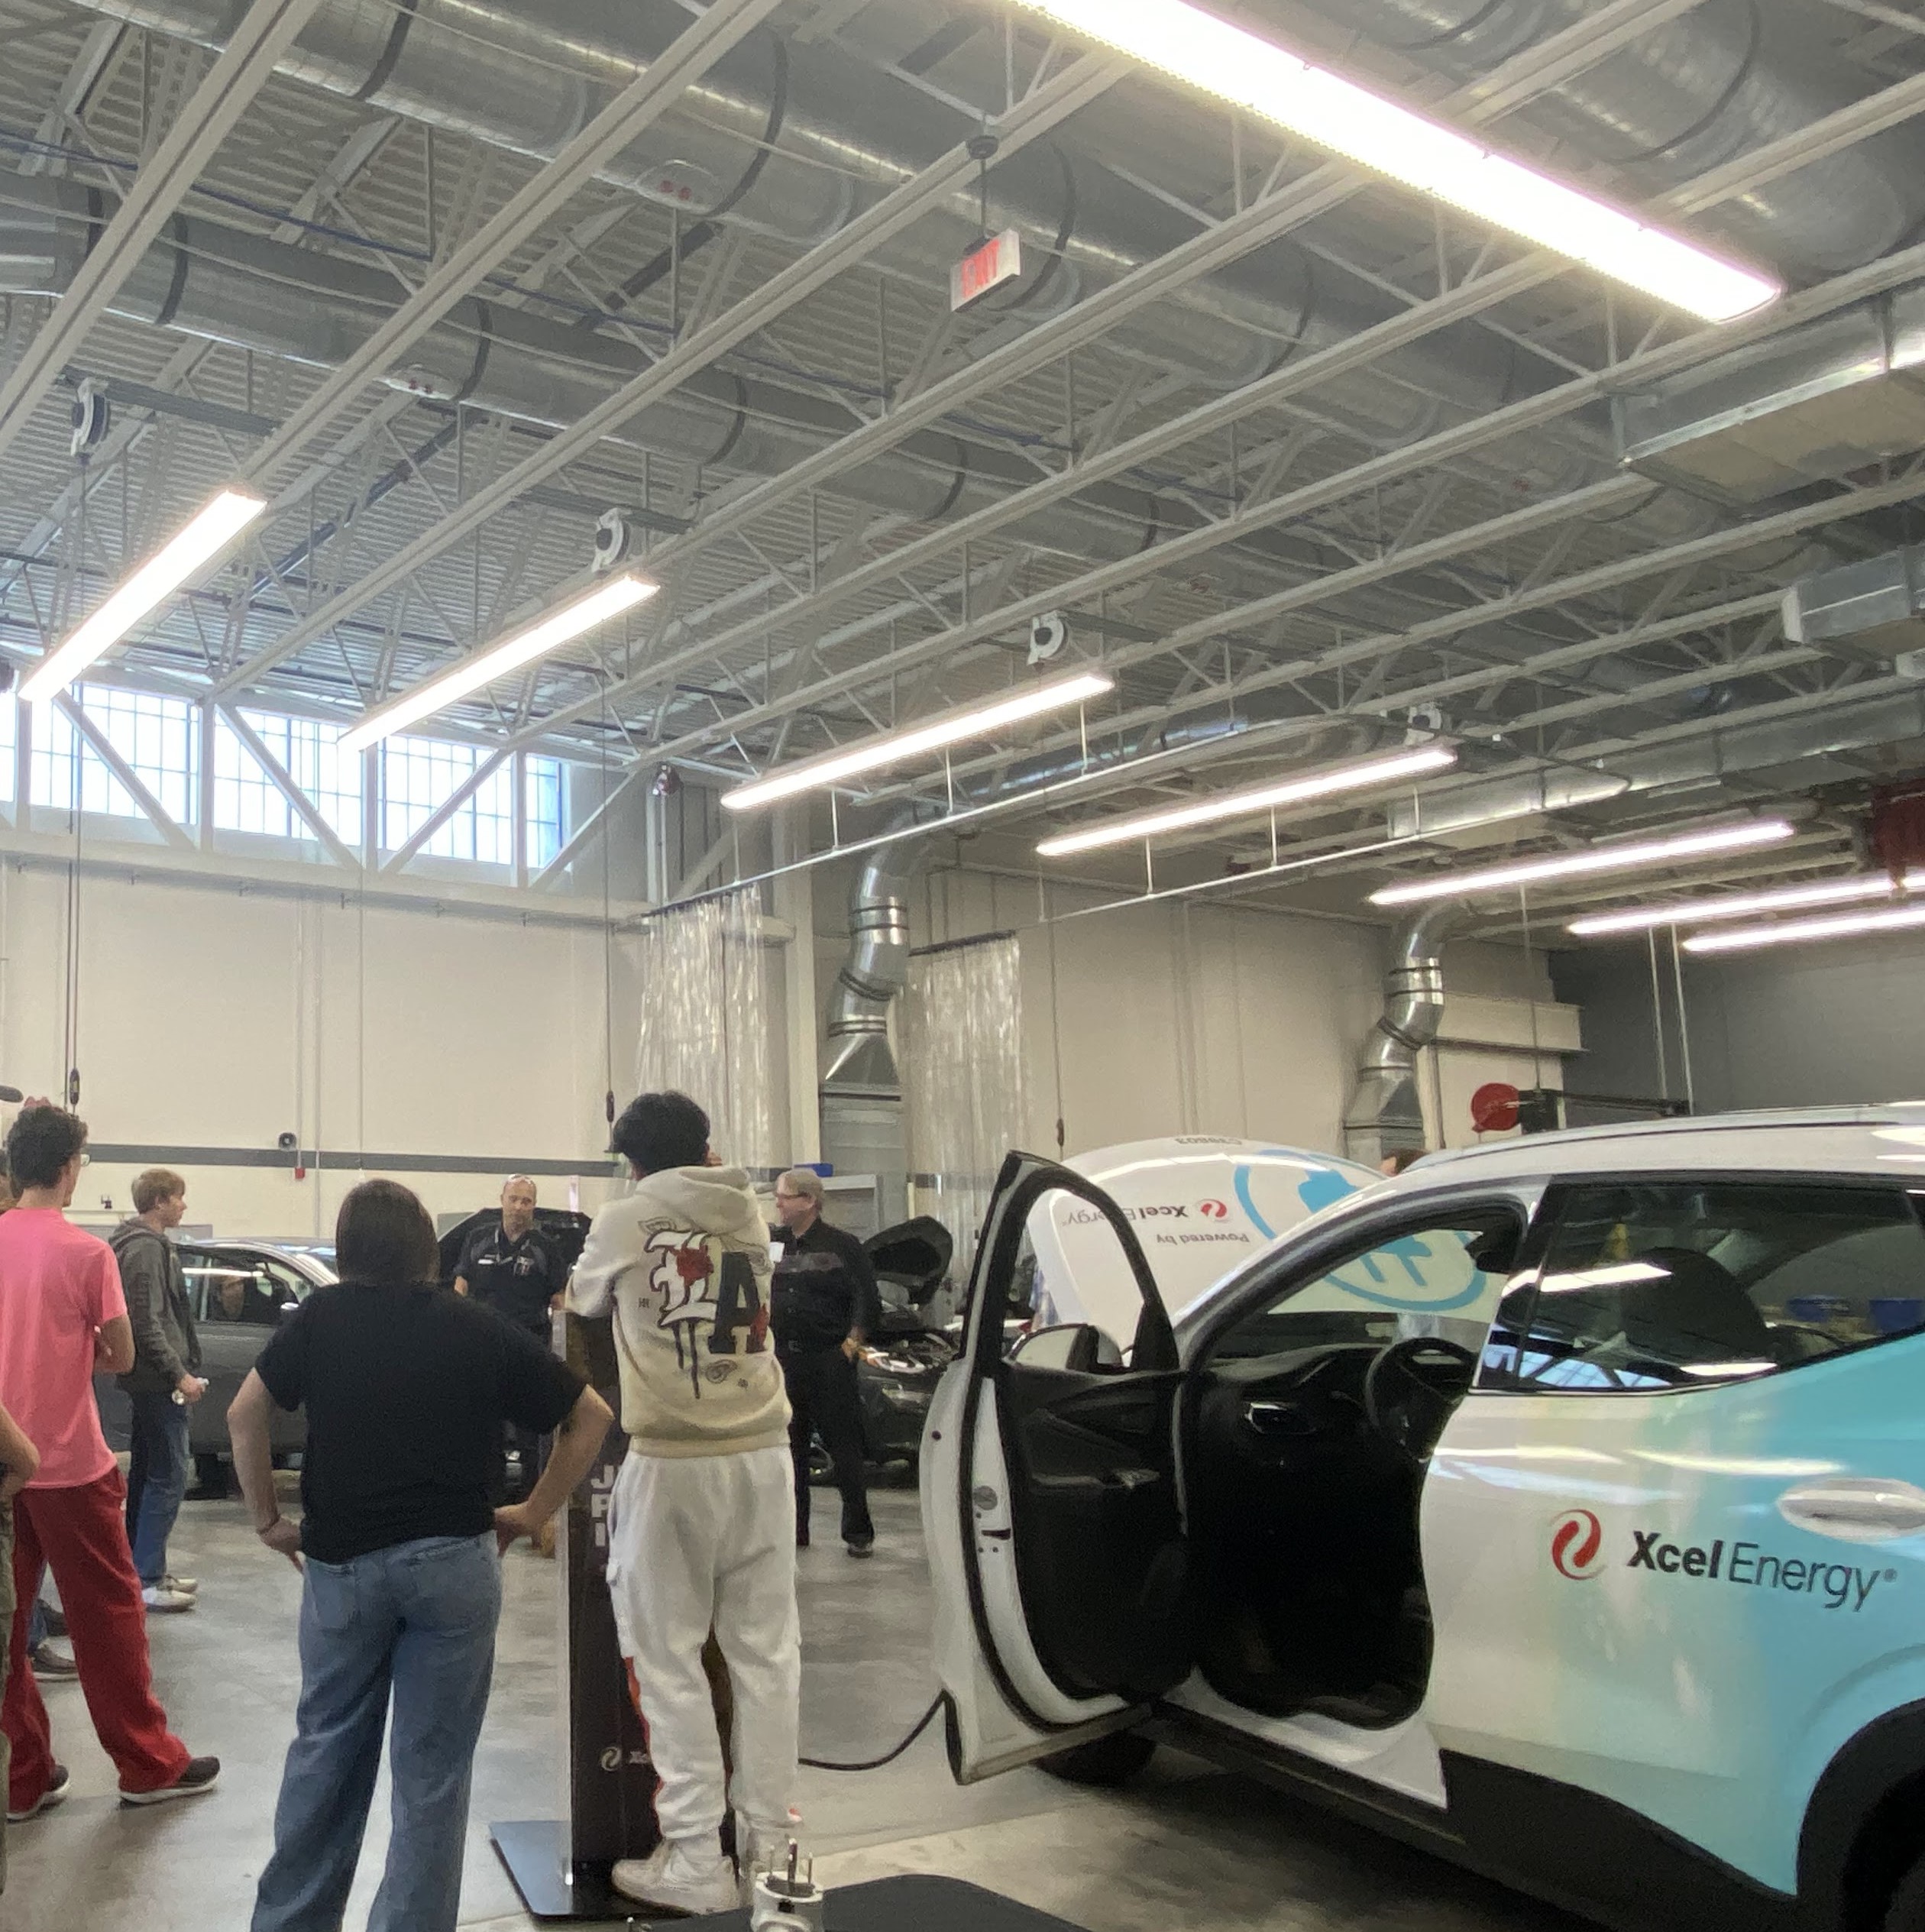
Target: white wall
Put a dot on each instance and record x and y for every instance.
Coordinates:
(1180, 1018)
(1800, 1026)
(210, 1018)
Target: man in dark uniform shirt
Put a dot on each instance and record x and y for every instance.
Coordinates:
(822, 1303)
(512, 1269)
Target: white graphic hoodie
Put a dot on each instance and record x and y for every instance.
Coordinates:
(682, 1264)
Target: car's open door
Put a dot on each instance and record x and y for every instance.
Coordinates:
(1051, 1504)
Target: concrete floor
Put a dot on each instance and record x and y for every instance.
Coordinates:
(1188, 1845)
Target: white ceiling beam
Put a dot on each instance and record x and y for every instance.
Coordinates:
(105, 749)
(282, 780)
(264, 34)
(400, 860)
(725, 24)
(895, 213)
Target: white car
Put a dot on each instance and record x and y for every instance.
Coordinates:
(1559, 1507)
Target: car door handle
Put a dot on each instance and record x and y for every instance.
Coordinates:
(1278, 1419)
(1856, 1509)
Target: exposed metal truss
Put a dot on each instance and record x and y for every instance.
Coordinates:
(1248, 424)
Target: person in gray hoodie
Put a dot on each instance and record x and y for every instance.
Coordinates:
(164, 1384)
(702, 1522)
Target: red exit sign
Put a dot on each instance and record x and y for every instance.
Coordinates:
(987, 266)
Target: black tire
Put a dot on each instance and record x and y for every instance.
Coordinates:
(1112, 1760)
(1906, 1911)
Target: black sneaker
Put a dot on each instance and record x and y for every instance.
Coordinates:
(198, 1777)
(56, 1792)
(861, 1546)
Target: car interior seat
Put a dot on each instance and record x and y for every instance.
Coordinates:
(1695, 1313)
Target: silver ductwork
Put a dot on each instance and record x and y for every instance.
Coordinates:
(1697, 91)
(1878, 605)
(1814, 403)
(861, 1060)
(1790, 748)
(1387, 1113)
(794, 139)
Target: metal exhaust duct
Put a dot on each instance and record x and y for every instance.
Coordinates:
(1387, 1113)
(861, 1061)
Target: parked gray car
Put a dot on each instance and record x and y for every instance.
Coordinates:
(241, 1291)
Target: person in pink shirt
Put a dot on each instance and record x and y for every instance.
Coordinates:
(63, 1316)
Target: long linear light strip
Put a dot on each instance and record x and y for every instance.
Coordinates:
(1698, 912)
(213, 527)
(1254, 73)
(545, 635)
(1794, 932)
(1255, 798)
(899, 747)
(1597, 858)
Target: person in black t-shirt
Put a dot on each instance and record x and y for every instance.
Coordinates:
(406, 1388)
(513, 1269)
(822, 1302)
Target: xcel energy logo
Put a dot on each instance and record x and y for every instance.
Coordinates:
(1577, 1545)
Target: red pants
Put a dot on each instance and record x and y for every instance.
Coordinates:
(81, 1534)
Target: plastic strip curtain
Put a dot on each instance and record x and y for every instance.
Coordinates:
(704, 1026)
(962, 1080)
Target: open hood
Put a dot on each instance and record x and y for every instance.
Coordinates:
(1202, 1206)
(913, 1256)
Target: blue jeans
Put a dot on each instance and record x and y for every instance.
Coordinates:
(157, 1479)
(417, 1622)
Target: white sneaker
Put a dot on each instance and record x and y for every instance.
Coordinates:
(678, 1876)
(187, 1586)
(160, 1597)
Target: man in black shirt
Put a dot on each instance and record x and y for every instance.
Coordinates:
(406, 1388)
(513, 1269)
(823, 1303)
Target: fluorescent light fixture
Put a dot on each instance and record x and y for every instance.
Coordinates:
(1597, 858)
(1742, 905)
(212, 529)
(1795, 932)
(1254, 73)
(899, 747)
(1255, 798)
(545, 634)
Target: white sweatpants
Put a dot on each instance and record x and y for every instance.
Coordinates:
(698, 1543)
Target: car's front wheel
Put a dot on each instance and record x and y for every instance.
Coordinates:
(1906, 1911)
(1112, 1760)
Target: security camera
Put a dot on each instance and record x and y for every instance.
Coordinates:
(612, 537)
(1048, 634)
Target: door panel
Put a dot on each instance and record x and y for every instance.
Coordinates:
(1049, 1502)
(1674, 1550)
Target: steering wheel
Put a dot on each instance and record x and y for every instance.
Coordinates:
(1410, 1390)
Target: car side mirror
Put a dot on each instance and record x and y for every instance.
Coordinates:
(1077, 1348)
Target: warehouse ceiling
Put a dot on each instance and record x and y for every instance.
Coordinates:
(1309, 464)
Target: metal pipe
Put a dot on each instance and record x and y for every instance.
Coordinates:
(1386, 1113)
(861, 1058)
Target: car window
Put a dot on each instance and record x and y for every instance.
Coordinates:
(1649, 1286)
(1443, 1283)
(231, 1290)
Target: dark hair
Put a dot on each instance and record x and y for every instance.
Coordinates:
(41, 1143)
(383, 1237)
(661, 1130)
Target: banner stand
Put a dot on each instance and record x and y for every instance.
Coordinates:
(560, 1865)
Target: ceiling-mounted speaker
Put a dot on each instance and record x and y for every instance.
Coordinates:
(88, 420)
(1048, 634)
(613, 535)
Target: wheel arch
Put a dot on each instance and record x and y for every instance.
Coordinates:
(1864, 1824)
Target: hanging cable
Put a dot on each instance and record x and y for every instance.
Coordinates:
(876, 1764)
(70, 1027)
(608, 924)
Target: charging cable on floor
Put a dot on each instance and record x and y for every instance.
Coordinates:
(876, 1764)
